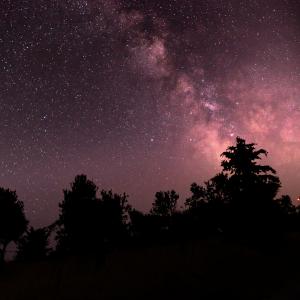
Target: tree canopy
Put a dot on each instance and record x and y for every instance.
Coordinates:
(164, 203)
(13, 222)
(241, 198)
(248, 179)
(241, 159)
(87, 221)
(33, 245)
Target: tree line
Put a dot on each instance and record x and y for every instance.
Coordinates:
(240, 202)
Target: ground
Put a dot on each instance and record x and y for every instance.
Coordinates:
(205, 269)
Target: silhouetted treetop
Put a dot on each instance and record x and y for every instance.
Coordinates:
(82, 188)
(248, 179)
(78, 199)
(213, 191)
(164, 203)
(241, 159)
(77, 214)
(86, 219)
(198, 196)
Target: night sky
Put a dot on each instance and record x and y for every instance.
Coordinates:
(143, 96)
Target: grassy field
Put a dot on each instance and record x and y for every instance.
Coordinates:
(207, 269)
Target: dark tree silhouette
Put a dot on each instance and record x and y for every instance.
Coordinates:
(251, 189)
(146, 228)
(113, 214)
(33, 245)
(77, 219)
(198, 198)
(241, 197)
(137, 223)
(214, 191)
(206, 206)
(165, 203)
(161, 217)
(286, 213)
(87, 222)
(240, 160)
(13, 222)
(286, 205)
(247, 178)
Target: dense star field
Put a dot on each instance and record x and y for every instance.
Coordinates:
(143, 95)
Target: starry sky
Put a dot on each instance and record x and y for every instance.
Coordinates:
(143, 95)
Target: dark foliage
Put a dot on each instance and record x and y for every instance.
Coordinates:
(13, 222)
(33, 246)
(77, 220)
(112, 214)
(251, 190)
(145, 228)
(286, 213)
(238, 202)
(208, 205)
(165, 203)
(159, 224)
(248, 181)
(86, 222)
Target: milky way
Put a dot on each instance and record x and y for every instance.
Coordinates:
(143, 95)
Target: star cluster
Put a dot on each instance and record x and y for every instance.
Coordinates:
(143, 95)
